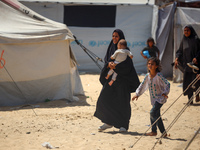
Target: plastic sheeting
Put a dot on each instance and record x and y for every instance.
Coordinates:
(36, 61)
(134, 21)
(163, 38)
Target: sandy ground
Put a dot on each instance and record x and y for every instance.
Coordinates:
(71, 125)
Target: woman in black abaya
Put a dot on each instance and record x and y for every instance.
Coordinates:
(113, 105)
(188, 52)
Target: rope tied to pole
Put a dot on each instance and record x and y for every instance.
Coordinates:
(93, 56)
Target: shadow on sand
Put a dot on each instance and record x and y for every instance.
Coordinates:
(177, 139)
(128, 133)
(141, 134)
(50, 104)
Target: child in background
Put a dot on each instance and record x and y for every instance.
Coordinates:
(159, 88)
(151, 50)
(120, 55)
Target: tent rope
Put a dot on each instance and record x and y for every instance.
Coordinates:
(18, 87)
(93, 56)
(176, 118)
(192, 139)
(191, 84)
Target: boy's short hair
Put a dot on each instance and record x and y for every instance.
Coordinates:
(150, 39)
(123, 42)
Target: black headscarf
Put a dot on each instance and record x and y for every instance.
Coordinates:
(193, 32)
(113, 47)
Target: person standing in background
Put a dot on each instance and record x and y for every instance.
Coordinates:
(189, 52)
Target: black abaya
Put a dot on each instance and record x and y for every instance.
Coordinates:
(189, 49)
(113, 105)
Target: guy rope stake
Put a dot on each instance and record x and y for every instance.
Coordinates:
(191, 84)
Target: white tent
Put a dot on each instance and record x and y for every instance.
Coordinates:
(134, 17)
(37, 62)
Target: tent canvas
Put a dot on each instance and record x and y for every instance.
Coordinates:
(163, 36)
(38, 58)
(134, 18)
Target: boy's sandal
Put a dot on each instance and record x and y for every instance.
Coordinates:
(151, 134)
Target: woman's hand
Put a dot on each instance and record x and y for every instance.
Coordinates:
(176, 63)
(111, 65)
(135, 98)
(194, 60)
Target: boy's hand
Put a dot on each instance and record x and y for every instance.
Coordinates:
(145, 57)
(135, 98)
(165, 95)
